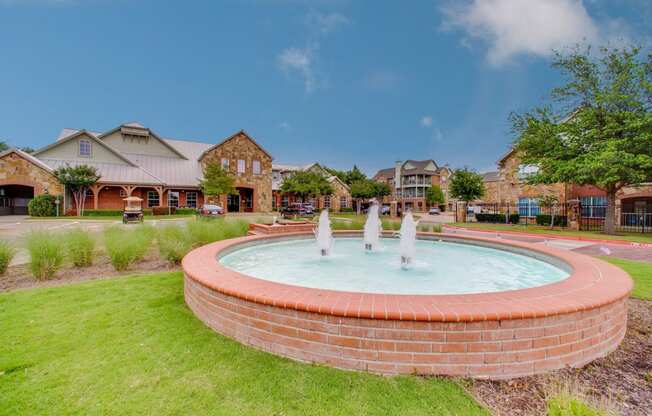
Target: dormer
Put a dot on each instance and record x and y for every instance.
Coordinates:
(134, 138)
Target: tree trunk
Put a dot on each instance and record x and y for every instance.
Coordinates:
(552, 217)
(610, 216)
(76, 195)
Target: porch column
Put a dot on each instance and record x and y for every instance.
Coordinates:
(96, 194)
(128, 189)
(161, 190)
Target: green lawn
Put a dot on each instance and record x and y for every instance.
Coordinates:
(110, 217)
(641, 274)
(130, 346)
(536, 229)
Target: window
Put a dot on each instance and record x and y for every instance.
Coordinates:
(327, 201)
(528, 207)
(285, 201)
(343, 202)
(173, 199)
(593, 206)
(85, 148)
(241, 166)
(225, 164)
(255, 167)
(191, 199)
(152, 199)
(524, 171)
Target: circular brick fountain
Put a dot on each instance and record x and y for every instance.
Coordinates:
(490, 335)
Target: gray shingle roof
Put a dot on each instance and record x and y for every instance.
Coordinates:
(492, 176)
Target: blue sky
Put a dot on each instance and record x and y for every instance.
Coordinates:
(339, 82)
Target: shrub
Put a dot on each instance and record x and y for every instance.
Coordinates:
(163, 210)
(45, 254)
(391, 225)
(43, 206)
(355, 224)
(497, 218)
(186, 211)
(346, 209)
(125, 247)
(429, 228)
(173, 243)
(80, 246)
(7, 253)
(206, 230)
(544, 219)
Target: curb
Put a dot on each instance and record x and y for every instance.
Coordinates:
(552, 236)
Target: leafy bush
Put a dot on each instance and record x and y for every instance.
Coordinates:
(429, 228)
(346, 209)
(46, 256)
(125, 247)
(164, 210)
(355, 224)
(544, 219)
(497, 218)
(43, 206)
(186, 211)
(206, 230)
(80, 246)
(173, 243)
(7, 253)
(391, 225)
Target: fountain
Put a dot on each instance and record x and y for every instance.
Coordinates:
(372, 228)
(324, 234)
(407, 243)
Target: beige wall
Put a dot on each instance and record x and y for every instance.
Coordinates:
(70, 151)
(152, 147)
(242, 147)
(15, 170)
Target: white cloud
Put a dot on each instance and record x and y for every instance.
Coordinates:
(513, 27)
(297, 60)
(326, 23)
(426, 121)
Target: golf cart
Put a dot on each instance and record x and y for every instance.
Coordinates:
(133, 210)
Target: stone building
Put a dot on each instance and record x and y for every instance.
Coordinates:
(339, 200)
(135, 161)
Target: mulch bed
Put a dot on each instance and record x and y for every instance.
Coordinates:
(19, 277)
(622, 381)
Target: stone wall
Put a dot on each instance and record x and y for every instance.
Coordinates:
(242, 147)
(339, 191)
(16, 170)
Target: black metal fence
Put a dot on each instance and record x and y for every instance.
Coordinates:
(530, 212)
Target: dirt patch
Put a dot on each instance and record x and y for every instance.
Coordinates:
(621, 381)
(19, 277)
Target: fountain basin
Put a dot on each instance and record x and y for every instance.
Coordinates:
(493, 335)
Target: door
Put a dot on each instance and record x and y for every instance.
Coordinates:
(233, 203)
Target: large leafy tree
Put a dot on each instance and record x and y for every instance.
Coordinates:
(348, 176)
(466, 185)
(598, 130)
(217, 181)
(78, 179)
(435, 196)
(364, 189)
(3, 146)
(307, 184)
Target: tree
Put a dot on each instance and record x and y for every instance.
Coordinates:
(435, 196)
(348, 177)
(606, 141)
(3, 146)
(27, 149)
(550, 201)
(364, 189)
(217, 181)
(466, 185)
(307, 184)
(78, 179)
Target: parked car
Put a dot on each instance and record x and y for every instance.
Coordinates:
(385, 210)
(434, 211)
(295, 210)
(210, 210)
(309, 208)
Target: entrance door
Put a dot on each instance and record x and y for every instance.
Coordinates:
(14, 199)
(246, 199)
(233, 203)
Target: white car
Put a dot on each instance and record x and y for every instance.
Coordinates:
(434, 211)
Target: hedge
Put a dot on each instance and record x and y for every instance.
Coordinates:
(186, 211)
(109, 212)
(164, 210)
(43, 206)
(560, 220)
(497, 218)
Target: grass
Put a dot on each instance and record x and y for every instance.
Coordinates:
(640, 272)
(204, 231)
(80, 246)
(173, 243)
(130, 346)
(537, 229)
(571, 406)
(46, 255)
(7, 253)
(125, 247)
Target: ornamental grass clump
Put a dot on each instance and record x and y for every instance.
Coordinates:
(80, 247)
(346, 224)
(46, 255)
(205, 231)
(173, 243)
(124, 247)
(7, 253)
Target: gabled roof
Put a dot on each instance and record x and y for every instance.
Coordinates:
(27, 157)
(233, 136)
(492, 176)
(90, 136)
(416, 167)
(334, 178)
(506, 156)
(138, 126)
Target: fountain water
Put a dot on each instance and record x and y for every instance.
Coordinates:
(407, 245)
(372, 228)
(324, 234)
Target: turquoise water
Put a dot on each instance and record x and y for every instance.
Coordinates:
(439, 267)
